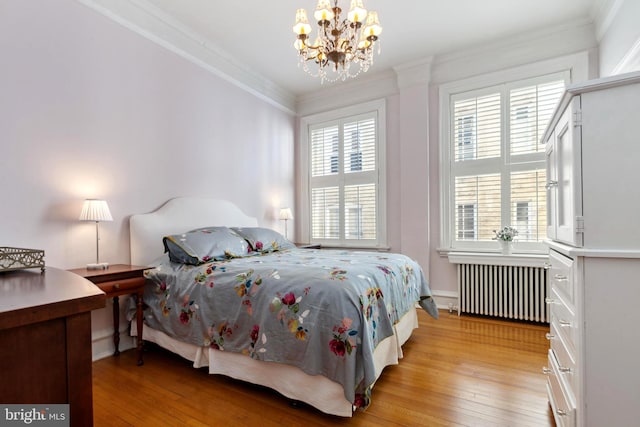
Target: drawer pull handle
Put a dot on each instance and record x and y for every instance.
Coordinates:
(116, 286)
(560, 277)
(549, 300)
(563, 369)
(561, 412)
(547, 265)
(564, 323)
(546, 370)
(549, 336)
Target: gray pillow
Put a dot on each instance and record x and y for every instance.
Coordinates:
(205, 244)
(264, 239)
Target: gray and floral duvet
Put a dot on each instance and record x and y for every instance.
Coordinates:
(323, 311)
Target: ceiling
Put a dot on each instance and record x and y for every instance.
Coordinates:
(257, 34)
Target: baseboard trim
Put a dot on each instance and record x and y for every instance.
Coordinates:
(446, 300)
(103, 346)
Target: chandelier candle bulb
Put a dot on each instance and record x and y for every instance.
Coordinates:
(324, 12)
(372, 27)
(357, 13)
(302, 26)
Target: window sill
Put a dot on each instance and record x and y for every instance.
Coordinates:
(496, 258)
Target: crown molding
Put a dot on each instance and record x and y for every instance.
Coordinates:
(414, 73)
(630, 61)
(603, 14)
(153, 24)
(577, 36)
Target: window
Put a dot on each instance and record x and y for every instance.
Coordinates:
(345, 177)
(495, 164)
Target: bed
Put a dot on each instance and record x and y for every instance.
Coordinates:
(316, 325)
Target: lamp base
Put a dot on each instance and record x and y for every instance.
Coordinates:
(98, 266)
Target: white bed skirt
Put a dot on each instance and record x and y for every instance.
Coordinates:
(315, 390)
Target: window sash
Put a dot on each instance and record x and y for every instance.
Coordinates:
(325, 204)
(477, 131)
(324, 151)
(484, 193)
(528, 189)
(360, 212)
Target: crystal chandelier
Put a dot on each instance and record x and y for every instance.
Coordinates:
(344, 47)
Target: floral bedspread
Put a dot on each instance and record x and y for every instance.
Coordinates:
(323, 311)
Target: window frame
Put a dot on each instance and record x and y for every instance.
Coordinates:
(378, 107)
(477, 86)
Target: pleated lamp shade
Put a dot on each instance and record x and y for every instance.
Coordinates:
(95, 210)
(285, 213)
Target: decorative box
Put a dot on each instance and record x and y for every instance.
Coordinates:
(19, 258)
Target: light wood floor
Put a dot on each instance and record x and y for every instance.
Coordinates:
(457, 371)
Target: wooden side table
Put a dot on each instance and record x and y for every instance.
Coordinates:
(117, 280)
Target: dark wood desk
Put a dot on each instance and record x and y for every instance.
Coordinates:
(45, 340)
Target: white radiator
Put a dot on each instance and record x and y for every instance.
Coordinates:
(512, 292)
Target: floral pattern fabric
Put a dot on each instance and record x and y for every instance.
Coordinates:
(323, 311)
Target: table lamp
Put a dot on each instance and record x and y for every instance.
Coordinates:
(96, 210)
(285, 215)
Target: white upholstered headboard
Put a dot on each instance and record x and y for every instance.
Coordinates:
(177, 216)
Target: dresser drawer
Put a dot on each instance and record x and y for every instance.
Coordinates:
(564, 320)
(561, 276)
(121, 286)
(566, 359)
(561, 398)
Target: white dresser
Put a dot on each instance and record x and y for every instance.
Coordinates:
(593, 208)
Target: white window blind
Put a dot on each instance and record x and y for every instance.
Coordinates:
(478, 127)
(528, 204)
(360, 146)
(497, 168)
(483, 192)
(324, 155)
(344, 181)
(530, 109)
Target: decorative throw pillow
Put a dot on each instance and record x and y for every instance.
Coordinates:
(204, 245)
(264, 239)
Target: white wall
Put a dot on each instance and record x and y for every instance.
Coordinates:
(619, 35)
(89, 109)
